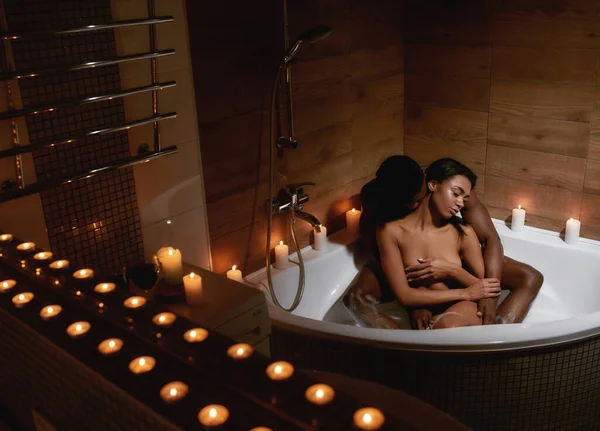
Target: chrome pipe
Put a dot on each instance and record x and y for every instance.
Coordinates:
(41, 186)
(47, 107)
(87, 28)
(288, 75)
(67, 140)
(19, 74)
(153, 72)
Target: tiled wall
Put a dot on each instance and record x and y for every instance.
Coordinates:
(511, 90)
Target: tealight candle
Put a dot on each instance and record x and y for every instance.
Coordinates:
(134, 302)
(320, 238)
(164, 320)
(352, 221)
(195, 335)
(261, 429)
(110, 346)
(170, 263)
(59, 264)
(240, 351)
(234, 273)
(320, 394)
(280, 370)
(281, 255)
(6, 285)
(84, 274)
(43, 255)
(518, 219)
(78, 329)
(572, 231)
(192, 284)
(368, 419)
(213, 415)
(22, 299)
(173, 392)
(142, 365)
(105, 287)
(26, 246)
(50, 311)
(6, 237)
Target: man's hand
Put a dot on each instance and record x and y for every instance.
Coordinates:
(487, 307)
(431, 269)
(420, 318)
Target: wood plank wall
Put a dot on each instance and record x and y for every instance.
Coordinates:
(510, 89)
(348, 93)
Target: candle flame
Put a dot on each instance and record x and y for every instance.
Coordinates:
(212, 413)
(104, 286)
(21, 297)
(59, 263)
(240, 351)
(78, 327)
(161, 318)
(353, 210)
(233, 267)
(192, 275)
(367, 418)
(142, 362)
(319, 393)
(519, 206)
(280, 242)
(173, 392)
(277, 369)
(50, 310)
(111, 344)
(571, 219)
(170, 252)
(134, 301)
(82, 272)
(5, 284)
(193, 334)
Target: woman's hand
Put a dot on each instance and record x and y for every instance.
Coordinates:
(486, 288)
(431, 269)
(420, 318)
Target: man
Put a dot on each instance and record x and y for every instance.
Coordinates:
(522, 280)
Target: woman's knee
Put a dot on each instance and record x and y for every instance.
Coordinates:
(462, 314)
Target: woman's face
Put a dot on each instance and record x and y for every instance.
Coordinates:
(450, 196)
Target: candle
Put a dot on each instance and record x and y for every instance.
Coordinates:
(142, 365)
(281, 255)
(320, 238)
(22, 299)
(83, 274)
(213, 415)
(26, 246)
(320, 394)
(240, 351)
(134, 302)
(280, 370)
(572, 231)
(192, 284)
(234, 274)
(110, 346)
(7, 285)
(261, 429)
(352, 220)
(78, 329)
(59, 264)
(105, 287)
(173, 392)
(518, 219)
(164, 320)
(50, 311)
(170, 262)
(368, 419)
(43, 255)
(6, 237)
(195, 335)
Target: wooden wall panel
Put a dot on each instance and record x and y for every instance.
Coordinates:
(472, 61)
(592, 177)
(466, 93)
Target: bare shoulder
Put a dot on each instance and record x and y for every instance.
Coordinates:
(393, 229)
(469, 233)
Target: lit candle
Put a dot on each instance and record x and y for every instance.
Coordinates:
(518, 219)
(192, 284)
(170, 263)
(105, 287)
(6, 237)
(261, 429)
(368, 419)
(134, 302)
(213, 415)
(22, 299)
(7, 285)
(572, 231)
(320, 394)
(43, 255)
(173, 392)
(195, 335)
(240, 351)
(78, 329)
(320, 238)
(164, 320)
(50, 311)
(280, 370)
(83, 274)
(352, 220)
(26, 246)
(234, 274)
(110, 346)
(142, 365)
(281, 255)
(59, 264)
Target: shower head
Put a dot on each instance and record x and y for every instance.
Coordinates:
(313, 35)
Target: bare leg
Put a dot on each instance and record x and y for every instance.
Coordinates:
(462, 313)
(524, 283)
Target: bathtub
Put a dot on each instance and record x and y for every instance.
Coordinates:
(540, 374)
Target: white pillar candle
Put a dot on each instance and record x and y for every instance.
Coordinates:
(234, 274)
(518, 219)
(352, 220)
(320, 238)
(281, 255)
(192, 283)
(572, 231)
(170, 262)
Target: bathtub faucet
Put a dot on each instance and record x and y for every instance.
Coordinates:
(292, 197)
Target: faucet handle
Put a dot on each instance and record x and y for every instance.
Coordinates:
(297, 187)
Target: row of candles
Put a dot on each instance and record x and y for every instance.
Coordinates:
(572, 227)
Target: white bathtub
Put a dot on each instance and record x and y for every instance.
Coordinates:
(566, 309)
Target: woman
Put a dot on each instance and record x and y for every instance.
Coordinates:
(434, 230)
